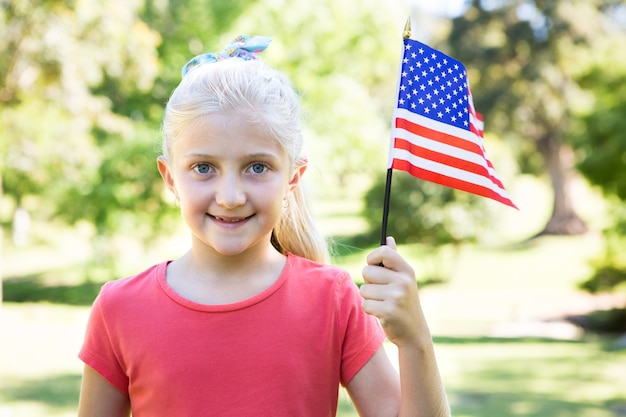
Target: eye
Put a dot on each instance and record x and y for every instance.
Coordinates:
(258, 168)
(202, 168)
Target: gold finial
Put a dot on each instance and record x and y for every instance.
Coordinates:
(406, 34)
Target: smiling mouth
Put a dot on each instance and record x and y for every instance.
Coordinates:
(230, 219)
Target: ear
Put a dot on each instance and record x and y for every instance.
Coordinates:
(164, 170)
(301, 166)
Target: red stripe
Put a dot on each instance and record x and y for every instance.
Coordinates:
(449, 181)
(450, 140)
(441, 158)
(438, 136)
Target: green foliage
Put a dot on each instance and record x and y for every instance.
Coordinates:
(605, 278)
(424, 212)
(605, 321)
(60, 58)
(343, 58)
(610, 270)
(598, 137)
(31, 289)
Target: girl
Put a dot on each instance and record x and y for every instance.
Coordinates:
(250, 321)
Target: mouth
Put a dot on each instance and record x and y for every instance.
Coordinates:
(229, 219)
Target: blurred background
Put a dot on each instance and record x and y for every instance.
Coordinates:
(527, 308)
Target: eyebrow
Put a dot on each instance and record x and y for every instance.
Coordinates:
(257, 155)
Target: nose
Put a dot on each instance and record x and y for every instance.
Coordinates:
(230, 192)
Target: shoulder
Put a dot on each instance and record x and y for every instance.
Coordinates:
(306, 268)
(130, 287)
(328, 281)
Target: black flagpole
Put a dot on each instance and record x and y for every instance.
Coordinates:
(383, 237)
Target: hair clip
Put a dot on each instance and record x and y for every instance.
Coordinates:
(243, 46)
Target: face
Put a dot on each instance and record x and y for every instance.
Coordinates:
(231, 180)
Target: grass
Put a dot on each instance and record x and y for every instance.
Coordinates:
(494, 290)
(532, 377)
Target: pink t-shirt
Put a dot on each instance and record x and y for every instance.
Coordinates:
(283, 352)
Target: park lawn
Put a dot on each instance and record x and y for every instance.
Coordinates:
(484, 375)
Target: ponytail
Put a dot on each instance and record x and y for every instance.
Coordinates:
(296, 232)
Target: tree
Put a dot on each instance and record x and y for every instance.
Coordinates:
(600, 144)
(57, 55)
(521, 56)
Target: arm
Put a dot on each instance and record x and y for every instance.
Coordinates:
(390, 293)
(98, 398)
(375, 389)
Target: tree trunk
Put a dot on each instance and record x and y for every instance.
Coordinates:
(559, 160)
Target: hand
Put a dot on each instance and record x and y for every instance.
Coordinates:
(390, 293)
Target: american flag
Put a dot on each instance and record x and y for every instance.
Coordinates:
(437, 135)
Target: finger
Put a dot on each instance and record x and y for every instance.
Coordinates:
(390, 243)
(387, 257)
(378, 291)
(374, 308)
(376, 274)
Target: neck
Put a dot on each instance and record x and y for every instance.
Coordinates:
(214, 265)
(207, 277)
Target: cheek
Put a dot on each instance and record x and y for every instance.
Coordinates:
(272, 195)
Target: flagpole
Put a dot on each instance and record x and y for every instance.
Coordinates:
(406, 33)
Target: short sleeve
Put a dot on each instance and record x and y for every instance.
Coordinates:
(363, 335)
(98, 350)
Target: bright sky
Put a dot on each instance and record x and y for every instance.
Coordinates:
(448, 8)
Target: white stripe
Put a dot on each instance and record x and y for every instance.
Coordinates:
(478, 124)
(448, 171)
(438, 126)
(442, 127)
(443, 148)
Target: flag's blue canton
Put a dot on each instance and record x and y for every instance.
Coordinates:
(433, 85)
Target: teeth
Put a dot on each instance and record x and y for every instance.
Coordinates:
(228, 220)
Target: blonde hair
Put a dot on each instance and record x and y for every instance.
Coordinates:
(235, 84)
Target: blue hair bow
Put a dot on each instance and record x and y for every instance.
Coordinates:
(245, 47)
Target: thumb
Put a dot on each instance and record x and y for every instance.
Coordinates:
(391, 242)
